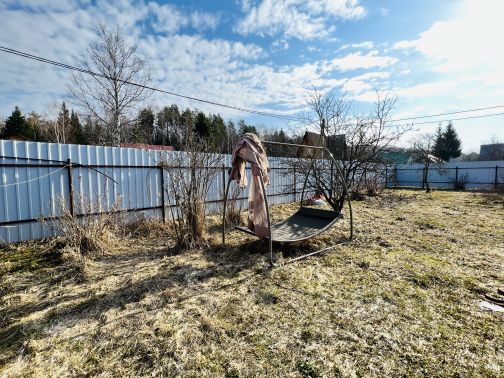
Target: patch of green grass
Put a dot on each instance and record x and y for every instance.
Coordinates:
(307, 369)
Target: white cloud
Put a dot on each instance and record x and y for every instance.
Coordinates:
(308, 19)
(363, 45)
(470, 41)
(358, 60)
(365, 82)
(280, 44)
(214, 69)
(170, 19)
(204, 20)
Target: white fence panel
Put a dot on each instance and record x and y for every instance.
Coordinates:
(34, 180)
(475, 174)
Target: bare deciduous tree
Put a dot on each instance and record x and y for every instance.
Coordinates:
(108, 96)
(357, 141)
(423, 147)
(191, 173)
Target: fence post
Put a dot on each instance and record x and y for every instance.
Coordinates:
(395, 175)
(332, 178)
(163, 208)
(386, 177)
(70, 187)
(496, 176)
(456, 175)
(424, 177)
(223, 181)
(295, 184)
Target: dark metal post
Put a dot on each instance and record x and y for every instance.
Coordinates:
(332, 178)
(386, 177)
(295, 184)
(424, 177)
(456, 175)
(163, 208)
(496, 176)
(70, 187)
(223, 175)
(395, 177)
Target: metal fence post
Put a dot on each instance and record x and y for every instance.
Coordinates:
(295, 184)
(163, 208)
(70, 188)
(386, 177)
(424, 177)
(332, 178)
(456, 175)
(496, 176)
(395, 176)
(223, 179)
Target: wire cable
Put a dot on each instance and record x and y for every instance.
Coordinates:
(31, 180)
(246, 110)
(450, 113)
(89, 72)
(451, 119)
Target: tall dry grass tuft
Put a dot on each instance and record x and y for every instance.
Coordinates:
(234, 209)
(91, 230)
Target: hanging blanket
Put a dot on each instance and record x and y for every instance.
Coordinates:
(249, 149)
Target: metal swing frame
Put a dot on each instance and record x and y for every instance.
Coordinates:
(270, 236)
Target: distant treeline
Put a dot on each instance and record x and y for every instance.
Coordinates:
(169, 126)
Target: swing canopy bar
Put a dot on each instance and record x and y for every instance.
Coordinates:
(306, 222)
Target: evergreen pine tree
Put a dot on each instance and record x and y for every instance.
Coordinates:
(218, 132)
(62, 126)
(244, 128)
(16, 125)
(452, 143)
(76, 131)
(202, 125)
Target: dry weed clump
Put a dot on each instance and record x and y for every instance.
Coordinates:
(90, 229)
(234, 208)
(147, 227)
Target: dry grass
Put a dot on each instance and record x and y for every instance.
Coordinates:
(401, 300)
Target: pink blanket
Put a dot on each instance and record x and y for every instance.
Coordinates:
(249, 149)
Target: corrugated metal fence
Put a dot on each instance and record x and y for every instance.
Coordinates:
(470, 175)
(35, 177)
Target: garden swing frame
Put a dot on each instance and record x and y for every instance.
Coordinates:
(304, 218)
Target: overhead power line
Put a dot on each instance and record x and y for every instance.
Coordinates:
(89, 72)
(449, 113)
(453, 119)
(246, 110)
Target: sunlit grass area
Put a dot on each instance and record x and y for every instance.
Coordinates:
(401, 300)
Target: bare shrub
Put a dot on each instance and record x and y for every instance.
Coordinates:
(357, 141)
(191, 173)
(89, 230)
(461, 182)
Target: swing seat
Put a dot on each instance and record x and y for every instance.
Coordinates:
(304, 224)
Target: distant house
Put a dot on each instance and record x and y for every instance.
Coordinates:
(334, 143)
(493, 151)
(148, 146)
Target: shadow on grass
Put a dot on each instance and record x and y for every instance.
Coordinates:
(226, 262)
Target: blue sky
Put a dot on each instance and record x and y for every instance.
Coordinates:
(436, 56)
